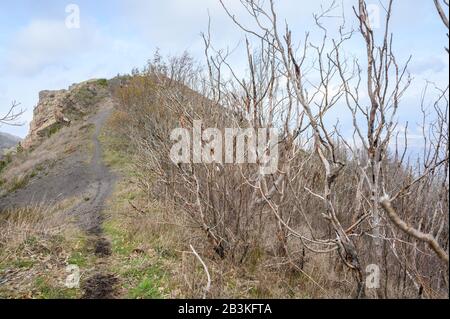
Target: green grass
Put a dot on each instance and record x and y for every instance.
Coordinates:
(77, 258)
(111, 157)
(23, 263)
(149, 287)
(53, 129)
(120, 244)
(116, 149)
(142, 276)
(102, 82)
(18, 183)
(46, 290)
(6, 160)
(20, 149)
(80, 254)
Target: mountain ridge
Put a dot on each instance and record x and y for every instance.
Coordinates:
(8, 140)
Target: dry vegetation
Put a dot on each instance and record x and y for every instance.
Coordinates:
(39, 240)
(150, 239)
(36, 245)
(27, 164)
(335, 207)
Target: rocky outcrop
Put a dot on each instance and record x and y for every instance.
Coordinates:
(58, 108)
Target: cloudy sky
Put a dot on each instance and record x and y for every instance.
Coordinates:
(38, 51)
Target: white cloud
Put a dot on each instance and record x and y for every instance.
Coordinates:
(44, 54)
(48, 42)
(431, 64)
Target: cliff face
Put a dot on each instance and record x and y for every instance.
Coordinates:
(57, 108)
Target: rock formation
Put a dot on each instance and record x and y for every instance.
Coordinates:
(58, 108)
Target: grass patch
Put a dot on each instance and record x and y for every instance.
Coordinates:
(5, 161)
(141, 255)
(138, 256)
(121, 245)
(77, 258)
(111, 157)
(19, 182)
(141, 271)
(36, 245)
(45, 289)
(151, 286)
(53, 130)
(23, 263)
(102, 82)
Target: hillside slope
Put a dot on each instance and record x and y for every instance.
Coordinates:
(7, 141)
(62, 168)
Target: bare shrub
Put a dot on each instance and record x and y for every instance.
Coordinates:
(336, 204)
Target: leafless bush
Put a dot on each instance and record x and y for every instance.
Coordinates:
(13, 114)
(353, 201)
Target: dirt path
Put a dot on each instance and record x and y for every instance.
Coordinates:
(101, 183)
(99, 284)
(82, 175)
(77, 175)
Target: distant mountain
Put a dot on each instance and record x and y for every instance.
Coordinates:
(8, 141)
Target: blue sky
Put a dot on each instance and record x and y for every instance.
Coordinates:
(37, 51)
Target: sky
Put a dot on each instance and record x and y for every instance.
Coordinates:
(42, 46)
